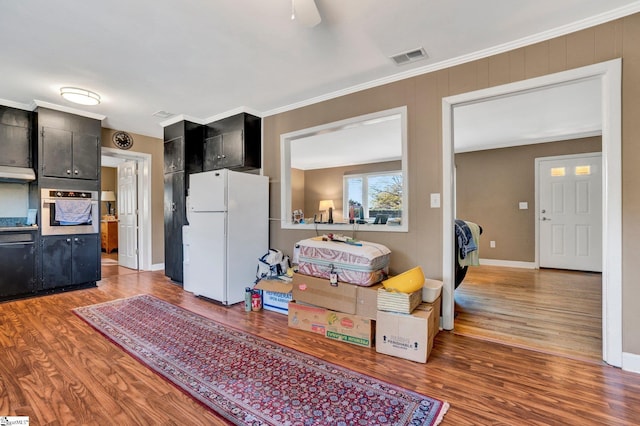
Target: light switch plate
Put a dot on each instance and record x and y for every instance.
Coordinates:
(435, 201)
(523, 205)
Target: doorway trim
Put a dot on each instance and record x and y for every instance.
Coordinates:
(609, 74)
(144, 201)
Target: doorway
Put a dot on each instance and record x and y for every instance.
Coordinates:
(113, 157)
(609, 76)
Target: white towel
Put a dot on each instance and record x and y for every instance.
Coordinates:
(73, 212)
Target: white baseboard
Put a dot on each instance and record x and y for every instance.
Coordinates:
(508, 263)
(157, 266)
(630, 362)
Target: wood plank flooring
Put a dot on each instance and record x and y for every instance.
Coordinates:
(57, 370)
(550, 310)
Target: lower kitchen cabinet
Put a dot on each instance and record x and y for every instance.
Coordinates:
(17, 263)
(69, 260)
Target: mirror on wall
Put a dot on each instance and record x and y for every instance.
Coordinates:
(347, 175)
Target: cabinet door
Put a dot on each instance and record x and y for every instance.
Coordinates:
(174, 155)
(213, 153)
(56, 152)
(85, 258)
(233, 149)
(14, 146)
(174, 219)
(56, 261)
(18, 266)
(86, 150)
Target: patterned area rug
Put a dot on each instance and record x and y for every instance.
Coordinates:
(250, 380)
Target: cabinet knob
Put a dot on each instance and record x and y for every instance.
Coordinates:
(75, 172)
(224, 156)
(68, 240)
(68, 171)
(173, 207)
(219, 157)
(75, 239)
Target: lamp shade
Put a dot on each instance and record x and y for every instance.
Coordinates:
(108, 196)
(326, 205)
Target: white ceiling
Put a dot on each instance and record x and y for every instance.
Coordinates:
(205, 59)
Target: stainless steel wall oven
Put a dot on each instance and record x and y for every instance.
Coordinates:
(69, 212)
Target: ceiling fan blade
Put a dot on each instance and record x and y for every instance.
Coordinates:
(307, 12)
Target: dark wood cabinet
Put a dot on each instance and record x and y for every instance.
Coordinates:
(69, 146)
(174, 219)
(17, 263)
(233, 143)
(182, 156)
(66, 154)
(15, 137)
(70, 260)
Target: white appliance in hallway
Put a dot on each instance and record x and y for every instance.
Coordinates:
(228, 231)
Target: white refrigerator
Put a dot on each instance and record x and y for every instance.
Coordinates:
(228, 231)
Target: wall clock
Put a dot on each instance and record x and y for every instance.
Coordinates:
(122, 140)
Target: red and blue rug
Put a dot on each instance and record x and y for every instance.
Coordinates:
(250, 380)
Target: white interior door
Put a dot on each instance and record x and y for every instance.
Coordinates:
(570, 212)
(127, 215)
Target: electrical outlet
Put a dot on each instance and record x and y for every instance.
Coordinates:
(492, 244)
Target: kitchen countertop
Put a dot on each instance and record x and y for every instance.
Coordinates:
(21, 228)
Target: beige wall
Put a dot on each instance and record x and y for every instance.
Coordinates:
(155, 147)
(491, 183)
(422, 95)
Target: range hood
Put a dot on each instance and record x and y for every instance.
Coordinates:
(16, 174)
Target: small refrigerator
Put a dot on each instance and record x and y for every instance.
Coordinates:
(228, 231)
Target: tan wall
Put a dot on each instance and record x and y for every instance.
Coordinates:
(155, 147)
(491, 183)
(297, 190)
(422, 95)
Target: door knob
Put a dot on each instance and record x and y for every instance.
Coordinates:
(545, 218)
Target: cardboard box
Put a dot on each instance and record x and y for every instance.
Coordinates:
(349, 328)
(393, 301)
(275, 295)
(319, 292)
(408, 336)
(332, 324)
(307, 318)
(367, 301)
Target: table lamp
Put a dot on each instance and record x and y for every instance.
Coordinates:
(327, 205)
(108, 197)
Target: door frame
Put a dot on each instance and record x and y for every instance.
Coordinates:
(538, 160)
(609, 74)
(144, 201)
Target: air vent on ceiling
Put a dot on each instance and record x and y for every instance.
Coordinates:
(162, 114)
(409, 56)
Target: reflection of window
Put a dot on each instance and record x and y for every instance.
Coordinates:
(557, 171)
(374, 194)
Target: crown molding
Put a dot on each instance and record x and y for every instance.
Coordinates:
(49, 105)
(592, 21)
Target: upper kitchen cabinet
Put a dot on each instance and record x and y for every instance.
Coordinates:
(69, 145)
(233, 143)
(183, 147)
(15, 137)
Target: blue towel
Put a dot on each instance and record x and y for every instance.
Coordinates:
(466, 243)
(73, 212)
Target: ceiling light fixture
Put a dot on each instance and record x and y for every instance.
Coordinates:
(80, 96)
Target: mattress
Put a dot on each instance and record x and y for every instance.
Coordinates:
(364, 264)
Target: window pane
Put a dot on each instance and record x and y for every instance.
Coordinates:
(385, 195)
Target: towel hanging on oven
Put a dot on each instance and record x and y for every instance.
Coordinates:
(73, 212)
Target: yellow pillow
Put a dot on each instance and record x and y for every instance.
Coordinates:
(407, 282)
